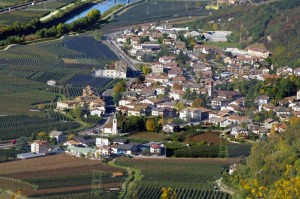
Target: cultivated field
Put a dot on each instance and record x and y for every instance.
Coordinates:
(57, 174)
(155, 193)
(158, 10)
(149, 136)
(25, 69)
(178, 173)
(209, 137)
(16, 126)
(32, 12)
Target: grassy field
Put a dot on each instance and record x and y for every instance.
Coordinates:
(56, 174)
(151, 136)
(177, 173)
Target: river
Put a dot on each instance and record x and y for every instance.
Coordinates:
(102, 7)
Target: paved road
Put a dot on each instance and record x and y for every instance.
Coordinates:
(6, 146)
(108, 40)
(107, 95)
(110, 110)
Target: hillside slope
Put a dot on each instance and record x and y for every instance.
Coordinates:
(276, 24)
(273, 168)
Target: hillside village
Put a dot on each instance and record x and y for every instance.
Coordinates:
(182, 86)
(184, 72)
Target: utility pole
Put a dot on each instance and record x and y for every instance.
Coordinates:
(96, 188)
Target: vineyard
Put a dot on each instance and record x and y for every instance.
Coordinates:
(12, 127)
(158, 10)
(33, 12)
(155, 193)
(187, 176)
(215, 151)
(25, 69)
(57, 176)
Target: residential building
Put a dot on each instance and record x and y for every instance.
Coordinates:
(102, 142)
(90, 97)
(190, 114)
(262, 99)
(176, 94)
(39, 146)
(58, 135)
(239, 132)
(157, 68)
(81, 151)
(169, 128)
(167, 59)
(117, 70)
(258, 52)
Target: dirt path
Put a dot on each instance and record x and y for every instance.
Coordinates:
(223, 188)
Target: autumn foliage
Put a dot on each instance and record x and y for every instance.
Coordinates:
(273, 168)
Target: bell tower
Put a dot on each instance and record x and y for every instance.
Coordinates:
(115, 125)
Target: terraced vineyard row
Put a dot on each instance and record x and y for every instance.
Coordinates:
(158, 10)
(156, 192)
(87, 45)
(12, 127)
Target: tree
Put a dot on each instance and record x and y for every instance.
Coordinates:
(168, 193)
(117, 98)
(97, 154)
(61, 29)
(119, 88)
(150, 125)
(42, 106)
(197, 103)
(77, 111)
(43, 136)
(94, 15)
(70, 136)
(97, 35)
(179, 106)
(294, 121)
(146, 69)
(23, 144)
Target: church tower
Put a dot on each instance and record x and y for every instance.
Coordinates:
(115, 125)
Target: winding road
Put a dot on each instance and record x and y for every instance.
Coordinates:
(107, 95)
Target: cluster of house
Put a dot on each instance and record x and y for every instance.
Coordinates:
(102, 147)
(148, 99)
(168, 83)
(41, 147)
(248, 64)
(157, 35)
(123, 147)
(94, 147)
(90, 100)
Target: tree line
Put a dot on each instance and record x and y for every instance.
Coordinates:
(35, 29)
